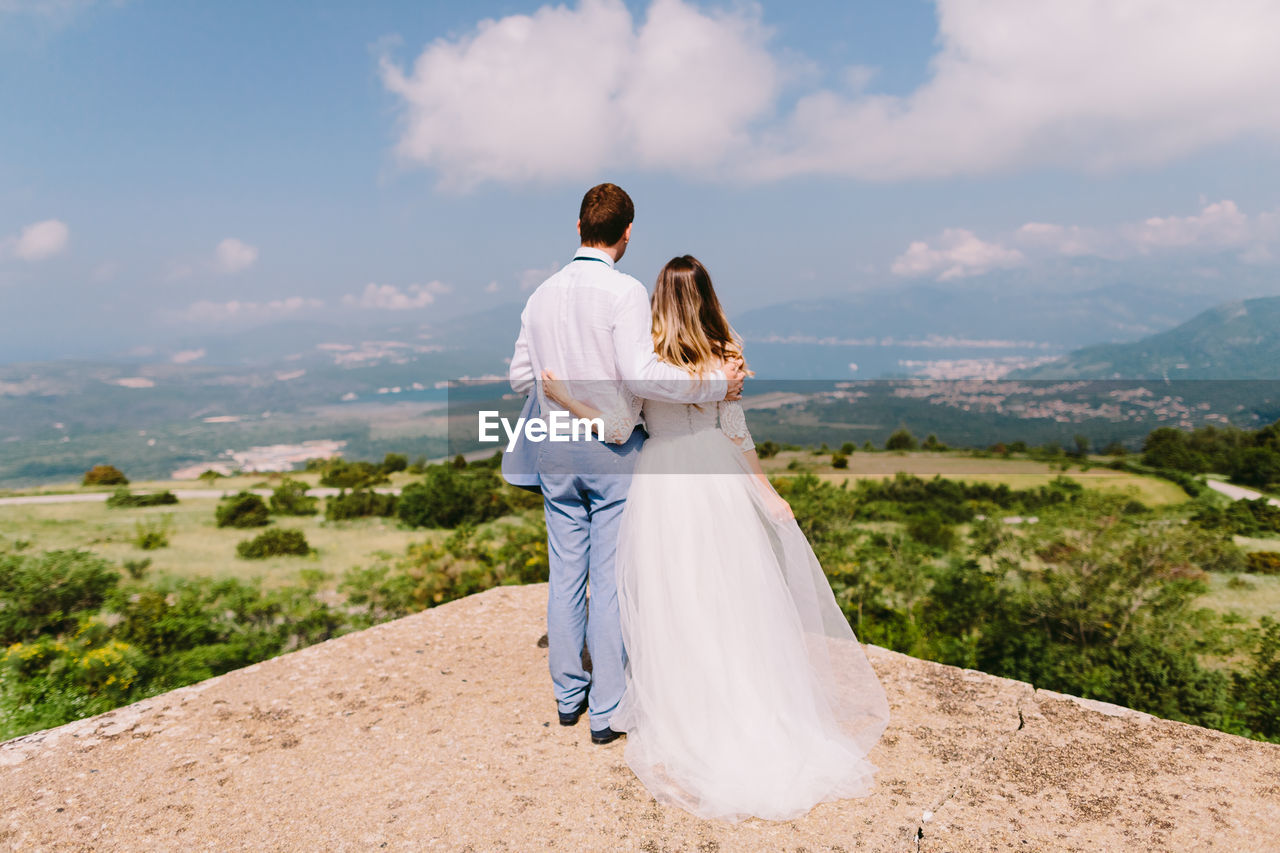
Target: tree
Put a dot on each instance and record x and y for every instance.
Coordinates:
(105, 475)
(839, 460)
(394, 462)
(902, 439)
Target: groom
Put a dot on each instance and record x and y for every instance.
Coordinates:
(590, 324)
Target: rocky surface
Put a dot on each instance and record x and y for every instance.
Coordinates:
(438, 731)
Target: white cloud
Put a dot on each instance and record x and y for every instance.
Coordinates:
(206, 311)
(187, 356)
(492, 287)
(567, 92)
(388, 297)
(959, 254)
(38, 241)
(233, 256)
(1219, 226)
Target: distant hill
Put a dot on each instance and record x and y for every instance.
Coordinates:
(1234, 340)
(1004, 310)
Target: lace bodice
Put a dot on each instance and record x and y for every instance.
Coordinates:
(676, 419)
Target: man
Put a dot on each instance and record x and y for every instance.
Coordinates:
(590, 324)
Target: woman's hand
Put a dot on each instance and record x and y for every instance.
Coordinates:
(778, 507)
(555, 388)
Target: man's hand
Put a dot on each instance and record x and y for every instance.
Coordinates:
(734, 372)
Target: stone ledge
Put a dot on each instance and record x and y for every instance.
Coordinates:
(438, 731)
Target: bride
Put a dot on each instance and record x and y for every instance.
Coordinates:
(747, 693)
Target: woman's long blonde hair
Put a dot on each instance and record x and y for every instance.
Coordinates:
(690, 329)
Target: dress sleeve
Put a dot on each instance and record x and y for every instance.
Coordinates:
(733, 423)
(618, 420)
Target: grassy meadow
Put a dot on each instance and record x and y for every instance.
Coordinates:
(197, 547)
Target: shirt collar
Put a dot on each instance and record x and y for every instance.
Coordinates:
(593, 252)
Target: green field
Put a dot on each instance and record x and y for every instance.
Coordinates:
(1015, 473)
(197, 546)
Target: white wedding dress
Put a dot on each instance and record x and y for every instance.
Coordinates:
(747, 693)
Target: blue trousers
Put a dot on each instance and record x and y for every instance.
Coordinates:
(584, 490)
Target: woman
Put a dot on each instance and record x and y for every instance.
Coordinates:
(747, 693)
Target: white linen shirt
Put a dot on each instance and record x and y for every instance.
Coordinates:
(591, 326)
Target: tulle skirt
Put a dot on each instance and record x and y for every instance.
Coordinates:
(747, 693)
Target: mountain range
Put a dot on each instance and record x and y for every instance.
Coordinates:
(1234, 340)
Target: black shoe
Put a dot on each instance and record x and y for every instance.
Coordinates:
(570, 718)
(605, 735)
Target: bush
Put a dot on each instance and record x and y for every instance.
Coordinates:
(244, 509)
(209, 475)
(359, 503)
(1264, 562)
(394, 462)
(839, 460)
(767, 449)
(902, 439)
(122, 498)
(105, 475)
(150, 535)
(1259, 686)
(276, 542)
(449, 496)
(290, 498)
(848, 448)
(41, 593)
(339, 473)
(137, 569)
(932, 532)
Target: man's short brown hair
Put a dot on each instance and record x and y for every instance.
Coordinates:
(605, 214)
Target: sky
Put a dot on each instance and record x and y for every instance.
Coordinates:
(174, 168)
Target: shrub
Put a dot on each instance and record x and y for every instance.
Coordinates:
(1259, 686)
(150, 535)
(1264, 562)
(902, 439)
(359, 503)
(276, 542)
(449, 496)
(932, 531)
(122, 498)
(839, 460)
(342, 474)
(244, 509)
(767, 449)
(848, 448)
(394, 462)
(290, 498)
(137, 569)
(209, 475)
(105, 475)
(41, 593)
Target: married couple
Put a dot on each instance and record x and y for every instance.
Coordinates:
(716, 643)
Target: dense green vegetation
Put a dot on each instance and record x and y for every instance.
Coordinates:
(1068, 588)
(1250, 458)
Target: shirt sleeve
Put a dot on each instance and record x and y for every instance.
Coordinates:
(733, 423)
(520, 372)
(644, 374)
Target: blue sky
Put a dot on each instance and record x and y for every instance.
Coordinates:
(179, 167)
